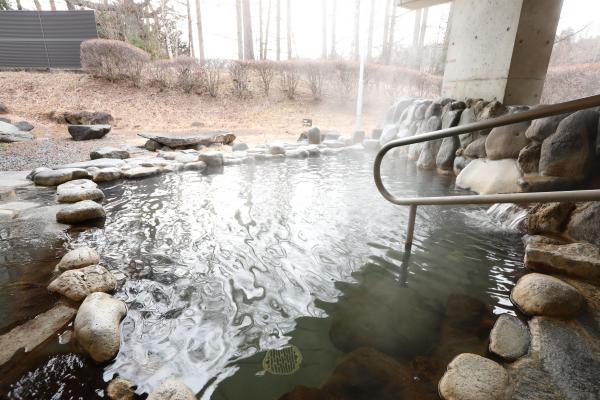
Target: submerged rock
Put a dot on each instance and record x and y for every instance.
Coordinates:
(78, 258)
(97, 325)
(472, 377)
(76, 284)
(538, 294)
(489, 177)
(172, 389)
(120, 389)
(213, 158)
(82, 211)
(509, 338)
(575, 259)
(88, 132)
(79, 190)
(34, 332)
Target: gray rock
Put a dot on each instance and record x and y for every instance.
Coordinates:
(52, 177)
(472, 377)
(492, 109)
(24, 126)
(120, 389)
(467, 117)
(11, 134)
(506, 141)
(3, 109)
(421, 109)
(427, 158)
(34, 332)
(451, 118)
(88, 132)
(581, 260)
(538, 294)
(275, 149)
(371, 144)
(35, 171)
(376, 133)
(314, 135)
(460, 163)
(97, 325)
(445, 156)
(215, 158)
(298, 153)
(542, 128)
(509, 338)
(489, 177)
(389, 134)
(140, 172)
(584, 224)
(529, 158)
(78, 258)
(173, 140)
(172, 389)
(76, 284)
(98, 163)
(109, 152)
(457, 105)
(476, 149)
(5, 120)
(81, 117)
(539, 183)
(434, 110)
(82, 211)
(358, 137)
(186, 157)
(107, 175)
(151, 145)
(195, 166)
(79, 190)
(239, 146)
(570, 152)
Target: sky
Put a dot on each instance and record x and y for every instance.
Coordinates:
(218, 17)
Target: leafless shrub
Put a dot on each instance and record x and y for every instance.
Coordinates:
(265, 70)
(315, 73)
(569, 82)
(113, 60)
(290, 78)
(191, 75)
(161, 74)
(212, 68)
(346, 73)
(239, 74)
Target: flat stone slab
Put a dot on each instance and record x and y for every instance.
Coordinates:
(174, 140)
(509, 338)
(33, 333)
(88, 132)
(109, 152)
(580, 260)
(141, 172)
(79, 190)
(82, 211)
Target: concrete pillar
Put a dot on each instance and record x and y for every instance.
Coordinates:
(500, 49)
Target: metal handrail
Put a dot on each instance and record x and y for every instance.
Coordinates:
(533, 197)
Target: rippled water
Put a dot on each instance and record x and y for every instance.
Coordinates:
(217, 269)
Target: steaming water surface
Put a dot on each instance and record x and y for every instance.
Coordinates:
(217, 269)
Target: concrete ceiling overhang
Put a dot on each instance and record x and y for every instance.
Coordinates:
(416, 4)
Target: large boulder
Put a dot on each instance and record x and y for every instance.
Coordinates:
(472, 377)
(78, 190)
(78, 258)
(467, 117)
(172, 389)
(476, 149)
(542, 128)
(509, 338)
(446, 154)
(571, 151)
(489, 177)
(109, 152)
(77, 284)
(81, 117)
(548, 218)
(97, 325)
(88, 132)
(82, 211)
(580, 260)
(11, 134)
(538, 294)
(506, 141)
(584, 224)
(529, 158)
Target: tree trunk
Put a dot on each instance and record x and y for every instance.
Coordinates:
(52, 5)
(324, 30)
(248, 41)
(37, 5)
(333, 30)
(200, 33)
(260, 30)
(289, 29)
(190, 29)
(392, 34)
(385, 48)
(442, 63)
(278, 26)
(266, 47)
(421, 44)
(19, 6)
(238, 15)
(70, 5)
(371, 28)
(355, 42)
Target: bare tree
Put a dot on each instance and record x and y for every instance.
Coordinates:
(355, 41)
(324, 30)
(38, 6)
(392, 33)
(260, 29)
(52, 5)
(266, 45)
(19, 6)
(289, 29)
(278, 27)
(371, 28)
(248, 41)
(190, 30)
(333, 30)
(421, 43)
(238, 15)
(200, 33)
(385, 51)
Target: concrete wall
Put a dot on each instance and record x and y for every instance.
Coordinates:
(500, 49)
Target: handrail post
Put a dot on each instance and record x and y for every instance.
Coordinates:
(412, 216)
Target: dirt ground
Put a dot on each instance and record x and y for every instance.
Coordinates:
(31, 96)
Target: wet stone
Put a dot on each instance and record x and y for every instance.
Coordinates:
(52, 177)
(107, 175)
(195, 166)
(538, 294)
(82, 211)
(79, 190)
(78, 258)
(120, 389)
(212, 158)
(141, 172)
(509, 338)
(239, 146)
(580, 260)
(76, 284)
(172, 389)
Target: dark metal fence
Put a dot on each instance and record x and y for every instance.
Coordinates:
(44, 39)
